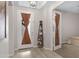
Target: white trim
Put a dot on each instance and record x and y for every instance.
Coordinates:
(35, 46)
(11, 54)
(57, 47)
(19, 41)
(47, 48)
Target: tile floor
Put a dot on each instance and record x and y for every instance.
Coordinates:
(35, 53)
(69, 51)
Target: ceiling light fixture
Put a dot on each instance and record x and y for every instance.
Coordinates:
(33, 4)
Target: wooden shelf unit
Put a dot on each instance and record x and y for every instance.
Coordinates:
(40, 35)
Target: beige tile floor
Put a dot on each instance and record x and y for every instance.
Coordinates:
(35, 53)
(69, 51)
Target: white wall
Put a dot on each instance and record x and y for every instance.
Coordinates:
(11, 29)
(2, 22)
(47, 12)
(38, 15)
(8, 45)
(70, 22)
(34, 22)
(13, 42)
(44, 14)
(4, 52)
(4, 48)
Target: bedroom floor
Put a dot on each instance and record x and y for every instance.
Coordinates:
(69, 51)
(35, 53)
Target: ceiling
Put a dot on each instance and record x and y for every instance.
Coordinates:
(69, 6)
(26, 4)
(39, 4)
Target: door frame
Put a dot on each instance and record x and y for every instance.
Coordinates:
(60, 31)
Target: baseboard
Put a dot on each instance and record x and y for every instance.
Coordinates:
(64, 42)
(28, 47)
(34, 46)
(47, 48)
(11, 54)
(16, 49)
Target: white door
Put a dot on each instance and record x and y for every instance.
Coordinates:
(20, 31)
(57, 30)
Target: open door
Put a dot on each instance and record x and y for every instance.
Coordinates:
(57, 30)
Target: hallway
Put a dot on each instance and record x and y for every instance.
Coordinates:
(35, 53)
(37, 29)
